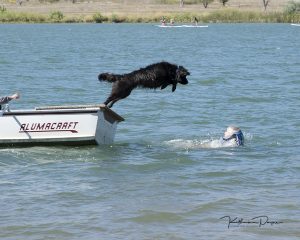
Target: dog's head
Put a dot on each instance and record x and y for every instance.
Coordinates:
(181, 74)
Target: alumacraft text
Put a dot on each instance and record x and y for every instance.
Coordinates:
(49, 127)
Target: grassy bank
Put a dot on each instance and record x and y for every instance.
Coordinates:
(217, 16)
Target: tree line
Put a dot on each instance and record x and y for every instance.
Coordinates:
(224, 2)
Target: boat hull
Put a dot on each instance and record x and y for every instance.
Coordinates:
(59, 125)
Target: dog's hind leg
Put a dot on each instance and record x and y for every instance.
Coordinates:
(110, 101)
(113, 102)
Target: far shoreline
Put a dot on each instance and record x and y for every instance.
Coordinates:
(218, 16)
(88, 13)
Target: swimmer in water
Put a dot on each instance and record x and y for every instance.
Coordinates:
(163, 21)
(234, 135)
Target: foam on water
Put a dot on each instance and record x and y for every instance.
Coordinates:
(204, 143)
(196, 144)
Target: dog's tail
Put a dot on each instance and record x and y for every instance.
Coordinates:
(108, 77)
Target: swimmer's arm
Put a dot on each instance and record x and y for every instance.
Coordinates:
(6, 99)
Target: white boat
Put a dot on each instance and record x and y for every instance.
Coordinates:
(182, 26)
(295, 24)
(80, 124)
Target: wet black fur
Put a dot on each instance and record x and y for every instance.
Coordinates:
(153, 76)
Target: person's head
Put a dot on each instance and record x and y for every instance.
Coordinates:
(235, 133)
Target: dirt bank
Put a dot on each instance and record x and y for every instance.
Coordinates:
(132, 7)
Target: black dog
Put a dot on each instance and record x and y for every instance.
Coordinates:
(153, 76)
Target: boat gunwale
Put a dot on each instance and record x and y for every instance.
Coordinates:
(71, 109)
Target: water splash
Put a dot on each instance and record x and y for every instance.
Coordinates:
(197, 144)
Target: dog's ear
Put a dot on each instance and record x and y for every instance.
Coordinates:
(164, 85)
(183, 70)
(174, 87)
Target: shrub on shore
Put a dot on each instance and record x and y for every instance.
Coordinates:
(56, 16)
(99, 18)
(13, 17)
(293, 7)
(2, 9)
